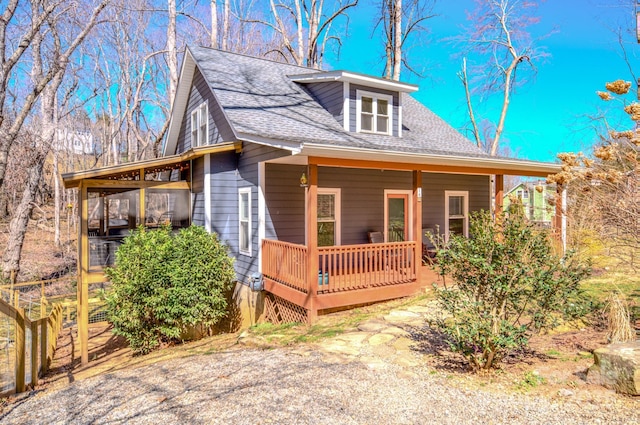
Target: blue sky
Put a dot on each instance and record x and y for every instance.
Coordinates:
(546, 117)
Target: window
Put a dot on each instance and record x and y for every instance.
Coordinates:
(525, 194)
(200, 125)
(244, 216)
(373, 112)
(456, 213)
(328, 217)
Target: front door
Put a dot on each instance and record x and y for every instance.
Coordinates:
(397, 216)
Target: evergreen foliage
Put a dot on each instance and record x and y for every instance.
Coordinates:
(508, 285)
(163, 283)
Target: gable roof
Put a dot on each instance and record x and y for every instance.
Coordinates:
(266, 102)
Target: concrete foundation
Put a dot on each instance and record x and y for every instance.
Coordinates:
(250, 305)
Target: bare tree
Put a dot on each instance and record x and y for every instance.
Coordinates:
(50, 61)
(214, 23)
(305, 28)
(499, 39)
(172, 50)
(226, 11)
(135, 87)
(604, 186)
(399, 22)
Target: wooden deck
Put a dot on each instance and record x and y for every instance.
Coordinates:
(346, 275)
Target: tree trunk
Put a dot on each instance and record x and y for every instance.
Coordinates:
(57, 201)
(172, 51)
(397, 39)
(226, 12)
(388, 48)
(214, 24)
(18, 225)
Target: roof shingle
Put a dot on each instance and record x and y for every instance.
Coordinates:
(260, 99)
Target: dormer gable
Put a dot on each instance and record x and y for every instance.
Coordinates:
(361, 103)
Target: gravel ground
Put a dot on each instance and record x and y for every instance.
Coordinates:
(284, 386)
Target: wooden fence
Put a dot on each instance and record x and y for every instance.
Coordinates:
(34, 342)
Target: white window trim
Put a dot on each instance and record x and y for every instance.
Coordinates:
(375, 97)
(409, 194)
(195, 133)
(207, 192)
(242, 191)
(338, 211)
(465, 210)
(345, 108)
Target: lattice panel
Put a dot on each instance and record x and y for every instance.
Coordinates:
(279, 311)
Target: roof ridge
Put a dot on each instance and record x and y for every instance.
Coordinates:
(190, 47)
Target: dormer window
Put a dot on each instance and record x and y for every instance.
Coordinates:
(373, 113)
(199, 125)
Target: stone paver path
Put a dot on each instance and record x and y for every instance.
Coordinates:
(380, 341)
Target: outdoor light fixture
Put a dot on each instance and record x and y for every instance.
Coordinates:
(304, 182)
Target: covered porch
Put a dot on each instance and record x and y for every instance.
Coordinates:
(117, 199)
(306, 275)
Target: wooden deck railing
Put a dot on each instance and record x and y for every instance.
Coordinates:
(340, 268)
(285, 263)
(32, 345)
(351, 267)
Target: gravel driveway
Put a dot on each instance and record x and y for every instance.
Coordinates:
(284, 386)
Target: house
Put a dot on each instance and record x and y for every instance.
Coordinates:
(321, 183)
(75, 141)
(537, 199)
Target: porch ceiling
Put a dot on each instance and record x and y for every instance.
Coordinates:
(123, 171)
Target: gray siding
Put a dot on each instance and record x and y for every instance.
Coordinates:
(224, 199)
(230, 172)
(330, 96)
(197, 192)
(219, 129)
(433, 191)
(197, 205)
(362, 193)
(352, 105)
(284, 203)
(362, 198)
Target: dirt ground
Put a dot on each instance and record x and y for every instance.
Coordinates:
(553, 365)
(40, 259)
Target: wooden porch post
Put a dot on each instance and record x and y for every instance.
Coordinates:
(417, 221)
(82, 316)
(312, 241)
(499, 191)
(141, 199)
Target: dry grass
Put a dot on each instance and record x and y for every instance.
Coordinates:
(618, 319)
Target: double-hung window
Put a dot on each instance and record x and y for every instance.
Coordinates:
(244, 216)
(328, 217)
(373, 112)
(456, 213)
(200, 125)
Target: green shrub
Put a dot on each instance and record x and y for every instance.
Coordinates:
(164, 283)
(509, 284)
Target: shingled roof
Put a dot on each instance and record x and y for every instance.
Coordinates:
(262, 102)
